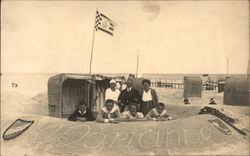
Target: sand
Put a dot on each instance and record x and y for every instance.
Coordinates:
(54, 136)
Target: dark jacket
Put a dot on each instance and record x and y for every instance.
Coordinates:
(129, 97)
(88, 115)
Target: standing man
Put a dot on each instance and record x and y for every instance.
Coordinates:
(128, 96)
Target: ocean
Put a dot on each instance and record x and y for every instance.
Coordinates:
(34, 83)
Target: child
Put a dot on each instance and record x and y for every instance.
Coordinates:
(82, 113)
(158, 114)
(109, 113)
(132, 113)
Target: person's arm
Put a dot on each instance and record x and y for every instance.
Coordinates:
(155, 97)
(100, 118)
(125, 116)
(150, 116)
(118, 114)
(107, 94)
(121, 99)
(73, 116)
(90, 116)
(165, 117)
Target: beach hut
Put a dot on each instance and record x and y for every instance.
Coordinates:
(236, 91)
(66, 90)
(221, 84)
(137, 83)
(192, 86)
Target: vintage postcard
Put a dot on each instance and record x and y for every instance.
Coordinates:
(125, 77)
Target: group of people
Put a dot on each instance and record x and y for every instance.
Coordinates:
(128, 104)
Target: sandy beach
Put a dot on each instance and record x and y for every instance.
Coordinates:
(16, 105)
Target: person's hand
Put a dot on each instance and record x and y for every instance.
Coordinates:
(132, 118)
(162, 119)
(113, 121)
(81, 119)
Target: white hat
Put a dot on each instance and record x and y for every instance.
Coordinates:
(112, 81)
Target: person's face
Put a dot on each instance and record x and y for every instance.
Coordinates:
(146, 86)
(109, 106)
(129, 83)
(160, 109)
(82, 108)
(113, 85)
(133, 110)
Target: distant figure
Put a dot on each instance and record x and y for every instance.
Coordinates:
(131, 76)
(112, 92)
(109, 113)
(158, 114)
(132, 113)
(212, 101)
(186, 101)
(148, 98)
(128, 95)
(82, 113)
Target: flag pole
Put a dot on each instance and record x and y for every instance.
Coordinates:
(137, 65)
(227, 68)
(93, 40)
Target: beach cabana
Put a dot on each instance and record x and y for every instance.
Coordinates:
(236, 91)
(137, 83)
(65, 91)
(221, 85)
(192, 86)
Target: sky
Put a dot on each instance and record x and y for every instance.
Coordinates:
(169, 37)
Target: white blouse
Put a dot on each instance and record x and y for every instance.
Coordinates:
(147, 96)
(112, 94)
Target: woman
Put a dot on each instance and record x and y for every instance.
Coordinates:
(109, 113)
(132, 113)
(112, 92)
(149, 98)
(82, 113)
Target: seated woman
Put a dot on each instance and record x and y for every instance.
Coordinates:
(82, 113)
(132, 114)
(109, 113)
(158, 114)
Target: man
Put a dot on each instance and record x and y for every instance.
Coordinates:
(112, 92)
(109, 113)
(82, 113)
(128, 95)
(158, 114)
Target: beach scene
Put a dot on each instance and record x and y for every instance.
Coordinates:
(58, 56)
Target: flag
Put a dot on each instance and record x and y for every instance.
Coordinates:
(104, 23)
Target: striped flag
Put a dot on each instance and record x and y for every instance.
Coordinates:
(104, 23)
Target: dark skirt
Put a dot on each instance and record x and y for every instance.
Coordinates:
(146, 107)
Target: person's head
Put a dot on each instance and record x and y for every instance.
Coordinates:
(133, 109)
(160, 108)
(129, 83)
(109, 104)
(146, 84)
(112, 84)
(82, 106)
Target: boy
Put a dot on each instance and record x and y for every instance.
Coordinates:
(109, 113)
(158, 114)
(82, 113)
(132, 113)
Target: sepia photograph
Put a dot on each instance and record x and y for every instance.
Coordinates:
(140, 77)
